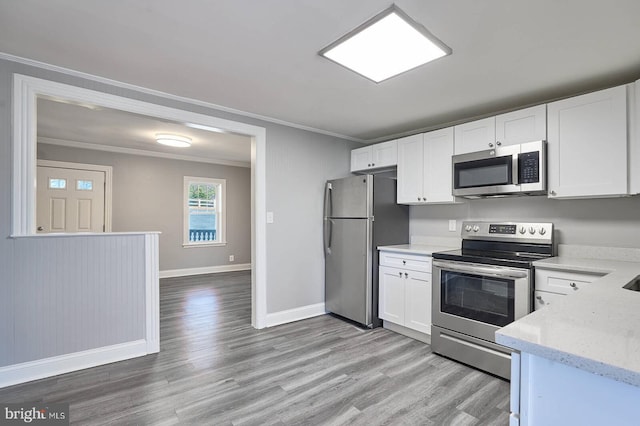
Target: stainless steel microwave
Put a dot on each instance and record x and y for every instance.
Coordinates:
(513, 169)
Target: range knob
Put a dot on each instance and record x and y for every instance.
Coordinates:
(542, 231)
(532, 230)
(523, 229)
(476, 228)
(468, 228)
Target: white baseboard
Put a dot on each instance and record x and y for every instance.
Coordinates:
(295, 314)
(39, 369)
(170, 273)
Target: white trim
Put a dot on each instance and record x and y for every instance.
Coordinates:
(152, 292)
(47, 367)
(142, 152)
(108, 180)
(295, 314)
(26, 91)
(221, 211)
(170, 273)
(98, 79)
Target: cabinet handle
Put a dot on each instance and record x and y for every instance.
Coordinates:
(369, 165)
(539, 298)
(404, 262)
(498, 143)
(573, 286)
(373, 164)
(400, 274)
(490, 145)
(40, 228)
(552, 192)
(406, 275)
(418, 198)
(424, 198)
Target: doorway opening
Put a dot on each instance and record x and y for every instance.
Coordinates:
(27, 92)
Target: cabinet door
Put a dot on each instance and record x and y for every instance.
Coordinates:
(438, 149)
(391, 295)
(361, 158)
(525, 125)
(587, 145)
(475, 136)
(418, 301)
(410, 170)
(385, 154)
(545, 298)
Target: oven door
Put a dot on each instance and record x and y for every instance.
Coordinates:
(477, 299)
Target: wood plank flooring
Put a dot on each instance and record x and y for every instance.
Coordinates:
(215, 369)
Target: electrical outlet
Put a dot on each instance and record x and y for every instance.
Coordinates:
(269, 217)
(231, 258)
(452, 225)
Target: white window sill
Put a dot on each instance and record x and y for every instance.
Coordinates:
(196, 245)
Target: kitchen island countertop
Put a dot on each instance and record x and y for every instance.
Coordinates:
(596, 329)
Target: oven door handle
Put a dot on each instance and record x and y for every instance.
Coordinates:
(482, 270)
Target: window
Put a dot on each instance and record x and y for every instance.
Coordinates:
(204, 211)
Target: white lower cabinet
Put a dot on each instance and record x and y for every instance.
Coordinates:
(405, 292)
(552, 285)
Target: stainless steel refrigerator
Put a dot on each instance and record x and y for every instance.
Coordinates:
(360, 214)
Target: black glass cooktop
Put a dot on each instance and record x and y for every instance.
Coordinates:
(499, 254)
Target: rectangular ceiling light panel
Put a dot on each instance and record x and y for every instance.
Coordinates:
(385, 46)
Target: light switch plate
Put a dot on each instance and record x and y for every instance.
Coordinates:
(452, 225)
(269, 217)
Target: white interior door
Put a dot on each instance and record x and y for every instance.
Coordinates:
(70, 200)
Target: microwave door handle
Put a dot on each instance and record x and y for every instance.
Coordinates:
(515, 173)
(481, 270)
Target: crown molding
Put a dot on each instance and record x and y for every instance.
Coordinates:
(142, 152)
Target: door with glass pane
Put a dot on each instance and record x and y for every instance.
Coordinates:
(70, 200)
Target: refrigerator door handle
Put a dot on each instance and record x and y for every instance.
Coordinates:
(328, 207)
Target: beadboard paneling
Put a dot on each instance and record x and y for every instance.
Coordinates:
(77, 293)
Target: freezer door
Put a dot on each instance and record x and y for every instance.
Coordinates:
(348, 270)
(349, 197)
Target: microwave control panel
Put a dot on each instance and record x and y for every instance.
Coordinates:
(529, 167)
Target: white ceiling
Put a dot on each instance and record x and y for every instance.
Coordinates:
(261, 56)
(109, 129)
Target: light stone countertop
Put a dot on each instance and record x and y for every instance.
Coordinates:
(424, 249)
(597, 329)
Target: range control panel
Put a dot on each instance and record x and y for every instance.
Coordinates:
(508, 231)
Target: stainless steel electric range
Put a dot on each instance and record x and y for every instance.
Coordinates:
(484, 286)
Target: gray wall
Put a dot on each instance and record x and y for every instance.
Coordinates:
(609, 222)
(147, 196)
(306, 160)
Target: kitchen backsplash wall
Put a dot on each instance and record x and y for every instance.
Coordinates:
(609, 222)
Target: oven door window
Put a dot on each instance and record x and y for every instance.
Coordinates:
(485, 299)
(487, 172)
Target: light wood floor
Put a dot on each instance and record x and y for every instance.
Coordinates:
(214, 368)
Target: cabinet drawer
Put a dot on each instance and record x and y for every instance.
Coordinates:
(563, 282)
(414, 262)
(545, 298)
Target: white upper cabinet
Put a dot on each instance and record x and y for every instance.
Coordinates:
(381, 155)
(411, 166)
(587, 145)
(475, 135)
(424, 168)
(438, 149)
(634, 141)
(525, 125)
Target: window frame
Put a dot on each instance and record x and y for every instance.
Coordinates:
(221, 212)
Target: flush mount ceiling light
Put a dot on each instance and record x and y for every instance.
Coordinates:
(173, 140)
(385, 46)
